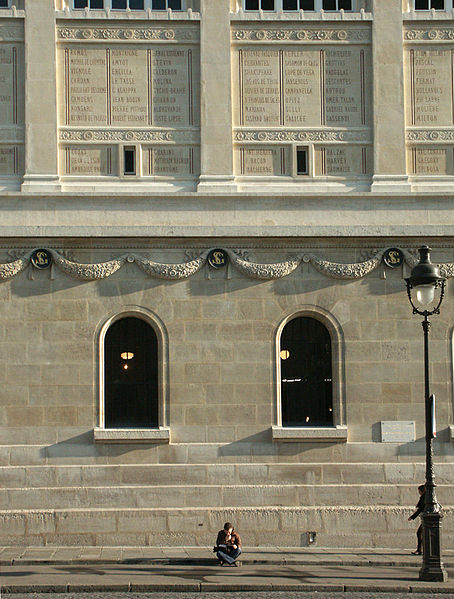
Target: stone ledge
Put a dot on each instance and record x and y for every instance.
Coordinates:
(301, 434)
(129, 435)
(451, 429)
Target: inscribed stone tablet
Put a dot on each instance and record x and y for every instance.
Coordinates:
(85, 86)
(301, 76)
(397, 431)
(89, 161)
(175, 81)
(11, 160)
(337, 160)
(431, 161)
(429, 86)
(11, 84)
(261, 162)
(129, 103)
(346, 90)
(170, 161)
(259, 88)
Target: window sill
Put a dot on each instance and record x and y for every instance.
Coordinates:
(132, 435)
(152, 15)
(300, 16)
(321, 434)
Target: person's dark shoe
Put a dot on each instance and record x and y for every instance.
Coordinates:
(416, 552)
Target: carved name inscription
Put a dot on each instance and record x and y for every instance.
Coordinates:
(304, 87)
(11, 84)
(429, 76)
(171, 161)
(91, 161)
(11, 160)
(342, 160)
(262, 162)
(129, 86)
(431, 161)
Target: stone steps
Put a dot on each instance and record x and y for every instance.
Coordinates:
(378, 526)
(203, 474)
(157, 496)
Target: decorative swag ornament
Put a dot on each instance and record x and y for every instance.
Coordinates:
(183, 270)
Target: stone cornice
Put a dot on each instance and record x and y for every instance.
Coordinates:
(128, 33)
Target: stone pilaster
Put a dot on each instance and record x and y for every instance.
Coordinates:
(216, 98)
(388, 84)
(41, 153)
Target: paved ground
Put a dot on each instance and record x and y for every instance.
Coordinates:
(193, 570)
(242, 595)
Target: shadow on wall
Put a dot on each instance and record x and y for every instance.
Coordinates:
(442, 444)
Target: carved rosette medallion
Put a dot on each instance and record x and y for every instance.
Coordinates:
(182, 33)
(296, 33)
(244, 135)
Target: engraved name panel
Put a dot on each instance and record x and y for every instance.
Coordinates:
(11, 84)
(431, 161)
(261, 162)
(342, 160)
(129, 89)
(429, 86)
(171, 161)
(85, 86)
(346, 91)
(11, 160)
(301, 82)
(89, 161)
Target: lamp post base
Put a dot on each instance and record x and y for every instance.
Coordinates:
(432, 569)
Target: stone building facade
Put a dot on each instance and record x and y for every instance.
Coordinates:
(208, 209)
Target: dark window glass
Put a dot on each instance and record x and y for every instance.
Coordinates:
(130, 161)
(307, 4)
(438, 4)
(421, 4)
(159, 5)
(301, 161)
(80, 3)
(345, 4)
(252, 4)
(329, 5)
(96, 3)
(3, 3)
(131, 381)
(136, 4)
(175, 4)
(118, 4)
(267, 5)
(306, 373)
(290, 5)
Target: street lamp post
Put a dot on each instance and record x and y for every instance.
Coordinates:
(424, 281)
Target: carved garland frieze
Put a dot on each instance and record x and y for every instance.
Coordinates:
(129, 34)
(441, 34)
(299, 34)
(285, 136)
(430, 135)
(84, 135)
(183, 270)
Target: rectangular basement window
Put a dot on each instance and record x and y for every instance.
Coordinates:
(129, 160)
(302, 163)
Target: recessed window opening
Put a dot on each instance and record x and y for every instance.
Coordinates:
(129, 158)
(302, 167)
(93, 4)
(126, 4)
(429, 4)
(291, 5)
(306, 373)
(4, 3)
(131, 375)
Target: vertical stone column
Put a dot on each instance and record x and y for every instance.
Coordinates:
(389, 102)
(215, 97)
(41, 154)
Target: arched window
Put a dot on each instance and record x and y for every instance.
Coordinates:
(306, 373)
(131, 375)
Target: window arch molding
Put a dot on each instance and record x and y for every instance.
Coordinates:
(161, 434)
(337, 432)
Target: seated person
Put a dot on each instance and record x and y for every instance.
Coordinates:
(228, 545)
